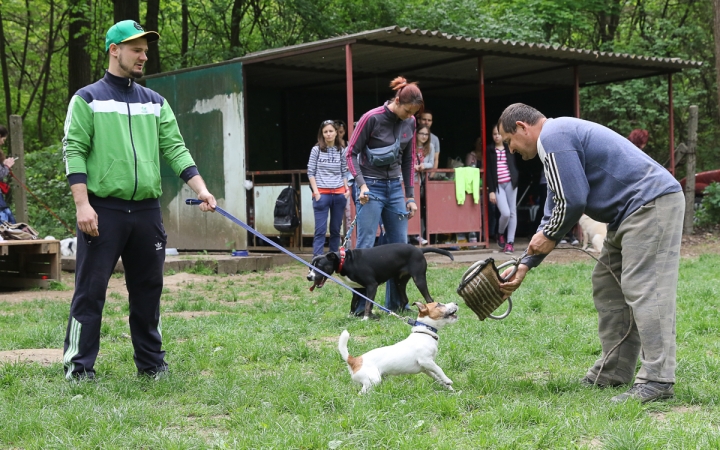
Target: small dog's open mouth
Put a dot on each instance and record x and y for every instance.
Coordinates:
(452, 314)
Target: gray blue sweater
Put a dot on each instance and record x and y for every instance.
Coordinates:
(593, 170)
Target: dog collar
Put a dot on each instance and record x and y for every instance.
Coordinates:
(423, 330)
(417, 323)
(342, 259)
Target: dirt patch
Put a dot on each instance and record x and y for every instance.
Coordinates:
(42, 356)
(661, 416)
(702, 242)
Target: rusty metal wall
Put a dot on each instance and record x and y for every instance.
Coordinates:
(208, 105)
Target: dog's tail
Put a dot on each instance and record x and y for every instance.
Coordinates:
(342, 345)
(438, 250)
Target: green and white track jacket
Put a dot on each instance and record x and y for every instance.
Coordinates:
(115, 132)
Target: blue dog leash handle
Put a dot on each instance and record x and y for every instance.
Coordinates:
(193, 201)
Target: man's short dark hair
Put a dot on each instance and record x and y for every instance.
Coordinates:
(3, 131)
(518, 112)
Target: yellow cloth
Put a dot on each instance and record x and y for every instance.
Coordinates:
(467, 181)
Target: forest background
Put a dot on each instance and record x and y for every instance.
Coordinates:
(51, 48)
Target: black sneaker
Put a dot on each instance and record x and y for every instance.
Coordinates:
(157, 373)
(588, 381)
(81, 377)
(646, 392)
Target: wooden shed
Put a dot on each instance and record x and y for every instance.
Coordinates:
(256, 117)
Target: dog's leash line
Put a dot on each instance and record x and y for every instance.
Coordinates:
(222, 212)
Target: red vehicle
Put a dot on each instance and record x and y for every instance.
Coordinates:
(703, 180)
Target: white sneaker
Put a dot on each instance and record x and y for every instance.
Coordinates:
(421, 240)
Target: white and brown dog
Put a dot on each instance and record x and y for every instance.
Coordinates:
(593, 234)
(413, 355)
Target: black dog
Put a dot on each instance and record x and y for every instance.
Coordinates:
(370, 267)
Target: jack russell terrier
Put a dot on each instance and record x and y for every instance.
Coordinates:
(413, 355)
(593, 234)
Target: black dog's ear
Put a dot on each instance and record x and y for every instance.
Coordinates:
(332, 256)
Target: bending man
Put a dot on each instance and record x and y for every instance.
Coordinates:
(593, 170)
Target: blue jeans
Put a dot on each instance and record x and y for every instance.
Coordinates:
(335, 205)
(6, 215)
(387, 199)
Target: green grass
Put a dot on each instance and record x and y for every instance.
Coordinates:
(262, 371)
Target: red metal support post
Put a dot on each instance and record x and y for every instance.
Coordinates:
(350, 120)
(576, 91)
(483, 140)
(349, 89)
(672, 124)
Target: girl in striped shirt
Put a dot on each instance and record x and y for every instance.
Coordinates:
(502, 180)
(327, 170)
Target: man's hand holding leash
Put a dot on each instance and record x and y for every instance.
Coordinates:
(539, 245)
(197, 184)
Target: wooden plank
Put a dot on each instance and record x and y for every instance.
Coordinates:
(29, 264)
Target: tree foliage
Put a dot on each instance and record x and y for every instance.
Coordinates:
(50, 47)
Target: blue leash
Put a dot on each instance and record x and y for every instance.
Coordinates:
(222, 212)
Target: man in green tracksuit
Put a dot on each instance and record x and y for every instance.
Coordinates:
(115, 132)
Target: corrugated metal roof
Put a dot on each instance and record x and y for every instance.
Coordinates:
(446, 63)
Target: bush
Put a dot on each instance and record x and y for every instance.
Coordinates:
(709, 212)
(45, 177)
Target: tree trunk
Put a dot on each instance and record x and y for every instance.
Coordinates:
(126, 10)
(28, 27)
(238, 11)
(716, 32)
(690, 172)
(151, 23)
(5, 77)
(78, 56)
(608, 21)
(46, 69)
(185, 34)
(17, 148)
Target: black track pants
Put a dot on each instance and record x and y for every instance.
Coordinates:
(139, 237)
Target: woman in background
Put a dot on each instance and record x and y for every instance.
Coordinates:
(425, 160)
(341, 130)
(5, 165)
(327, 171)
(380, 157)
(639, 138)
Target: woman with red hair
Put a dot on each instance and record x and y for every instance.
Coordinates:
(639, 138)
(380, 156)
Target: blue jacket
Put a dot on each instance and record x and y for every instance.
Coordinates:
(593, 170)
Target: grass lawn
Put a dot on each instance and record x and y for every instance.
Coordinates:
(255, 365)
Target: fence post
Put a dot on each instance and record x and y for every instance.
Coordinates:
(690, 171)
(17, 148)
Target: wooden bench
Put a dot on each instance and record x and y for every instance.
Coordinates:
(27, 264)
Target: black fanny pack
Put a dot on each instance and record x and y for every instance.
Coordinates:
(383, 156)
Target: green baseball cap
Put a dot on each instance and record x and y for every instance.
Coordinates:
(127, 30)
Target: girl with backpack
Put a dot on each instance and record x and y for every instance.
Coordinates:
(327, 170)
